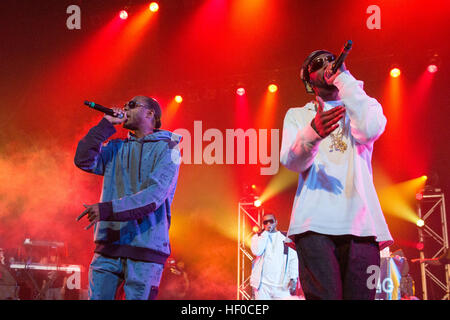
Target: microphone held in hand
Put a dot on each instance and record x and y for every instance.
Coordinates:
(340, 60)
(103, 109)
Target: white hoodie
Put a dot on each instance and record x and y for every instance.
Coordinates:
(335, 193)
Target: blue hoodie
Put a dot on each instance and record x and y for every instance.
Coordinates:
(140, 177)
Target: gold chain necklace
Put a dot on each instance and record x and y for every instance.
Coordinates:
(337, 142)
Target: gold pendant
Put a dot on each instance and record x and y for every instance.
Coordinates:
(342, 146)
(338, 144)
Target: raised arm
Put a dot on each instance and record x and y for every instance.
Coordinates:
(91, 156)
(259, 243)
(367, 121)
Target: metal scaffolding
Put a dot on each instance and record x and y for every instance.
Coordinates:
(248, 217)
(431, 209)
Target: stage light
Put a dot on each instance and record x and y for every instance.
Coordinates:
(419, 246)
(395, 72)
(419, 196)
(253, 186)
(432, 68)
(272, 88)
(240, 91)
(257, 203)
(255, 229)
(123, 15)
(424, 178)
(178, 99)
(283, 180)
(434, 63)
(398, 199)
(154, 7)
(420, 223)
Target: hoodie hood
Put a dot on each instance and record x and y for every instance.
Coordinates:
(170, 138)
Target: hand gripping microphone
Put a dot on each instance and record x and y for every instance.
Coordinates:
(103, 109)
(340, 60)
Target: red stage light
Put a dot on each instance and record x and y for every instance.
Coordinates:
(240, 91)
(419, 246)
(123, 14)
(153, 7)
(395, 72)
(432, 68)
(419, 196)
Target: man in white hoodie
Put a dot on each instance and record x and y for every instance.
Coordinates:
(275, 267)
(336, 221)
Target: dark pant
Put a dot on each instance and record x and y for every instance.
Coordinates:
(335, 267)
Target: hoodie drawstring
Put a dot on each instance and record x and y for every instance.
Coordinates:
(140, 161)
(128, 160)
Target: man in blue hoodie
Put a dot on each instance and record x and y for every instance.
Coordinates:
(132, 220)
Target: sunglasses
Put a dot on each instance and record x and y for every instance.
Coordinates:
(318, 63)
(268, 221)
(133, 104)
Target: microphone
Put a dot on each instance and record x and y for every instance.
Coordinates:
(103, 109)
(345, 51)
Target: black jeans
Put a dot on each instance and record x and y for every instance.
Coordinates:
(335, 267)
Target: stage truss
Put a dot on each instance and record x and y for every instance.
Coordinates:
(248, 217)
(431, 209)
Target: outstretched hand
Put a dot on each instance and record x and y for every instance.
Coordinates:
(326, 122)
(93, 212)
